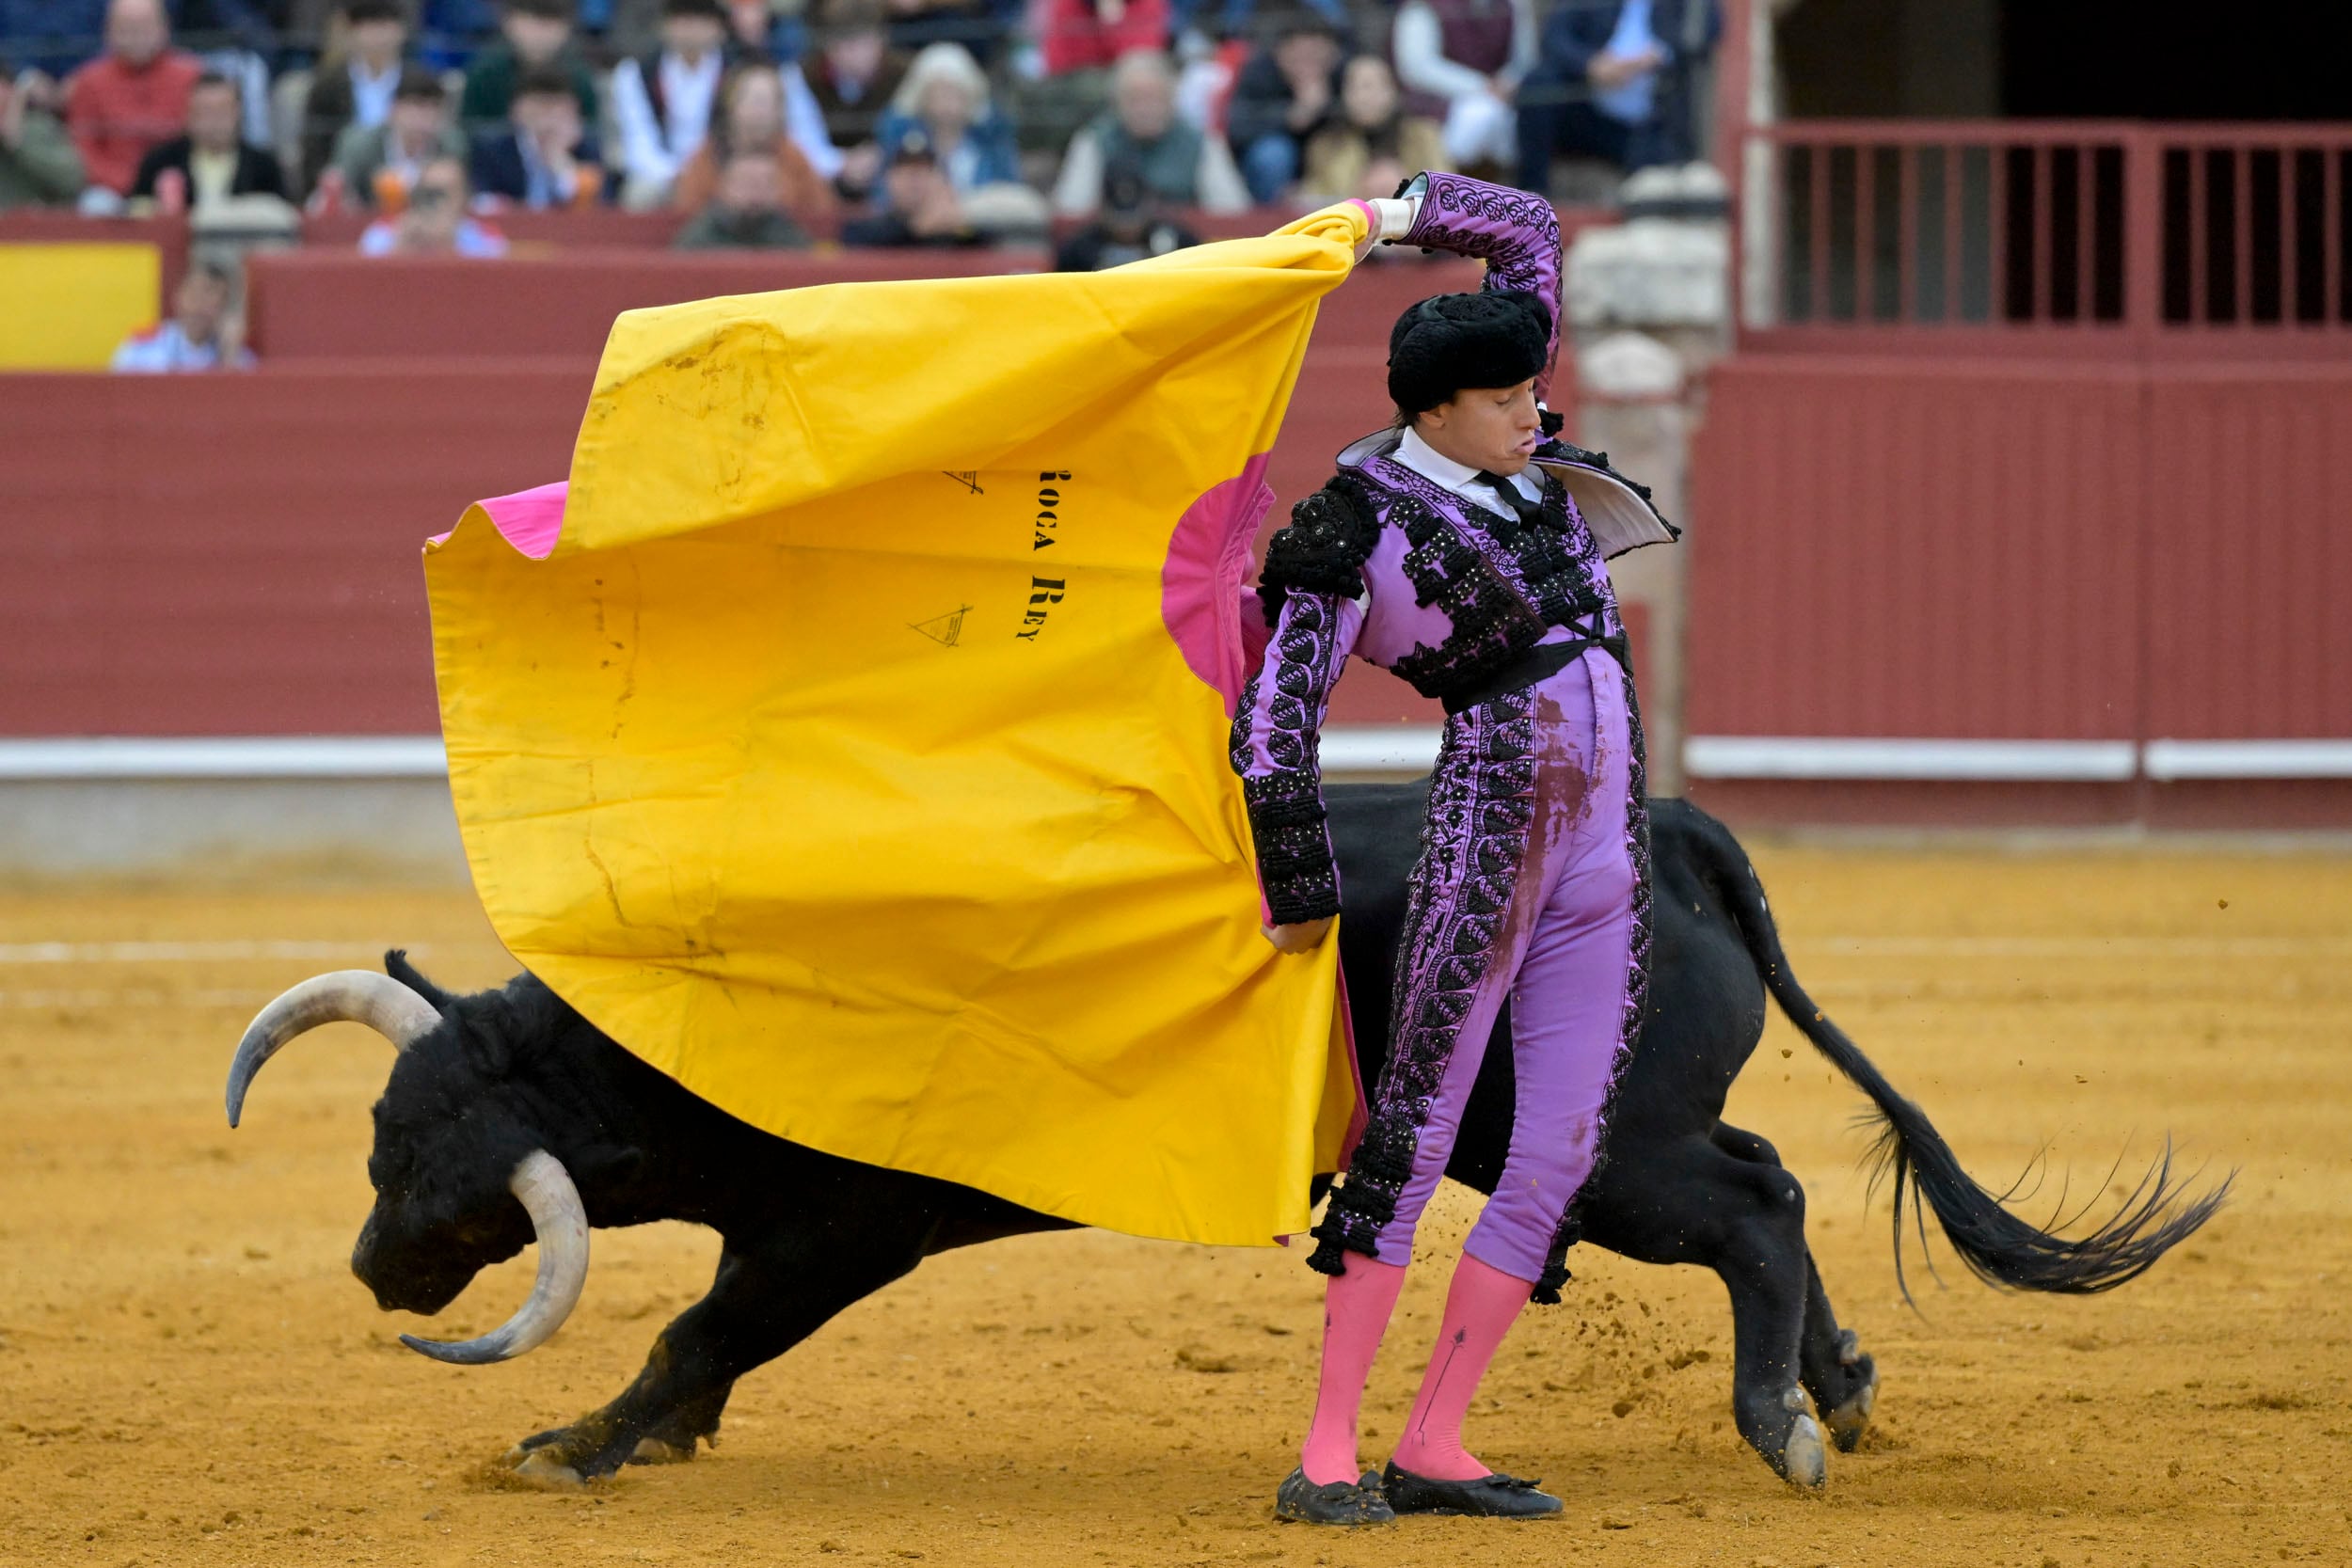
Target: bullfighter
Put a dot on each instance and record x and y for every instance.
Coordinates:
(1449, 549)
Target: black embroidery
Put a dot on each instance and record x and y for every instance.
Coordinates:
(1295, 864)
(1494, 623)
(1286, 813)
(1323, 549)
(1474, 842)
(1455, 214)
(1243, 708)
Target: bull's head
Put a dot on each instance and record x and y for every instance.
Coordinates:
(461, 1180)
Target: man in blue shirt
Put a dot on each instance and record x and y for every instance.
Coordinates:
(1612, 81)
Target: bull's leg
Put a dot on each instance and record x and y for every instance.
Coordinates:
(1842, 1379)
(1830, 1365)
(1687, 1201)
(771, 1292)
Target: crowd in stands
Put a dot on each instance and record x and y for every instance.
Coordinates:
(1110, 124)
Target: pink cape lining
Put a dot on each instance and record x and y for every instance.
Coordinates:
(1222, 632)
(529, 519)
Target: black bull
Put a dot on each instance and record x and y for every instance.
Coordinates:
(485, 1080)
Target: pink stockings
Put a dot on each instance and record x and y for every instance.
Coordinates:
(1479, 1310)
(1355, 1308)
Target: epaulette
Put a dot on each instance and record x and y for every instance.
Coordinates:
(1558, 450)
(1323, 549)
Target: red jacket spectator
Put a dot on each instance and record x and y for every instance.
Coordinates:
(1078, 34)
(133, 98)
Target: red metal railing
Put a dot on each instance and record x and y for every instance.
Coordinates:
(2068, 236)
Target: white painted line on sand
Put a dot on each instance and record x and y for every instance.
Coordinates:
(2070, 947)
(184, 952)
(134, 998)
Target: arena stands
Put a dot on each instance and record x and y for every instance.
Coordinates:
(577, 124)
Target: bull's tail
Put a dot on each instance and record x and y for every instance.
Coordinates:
(1997, 1247)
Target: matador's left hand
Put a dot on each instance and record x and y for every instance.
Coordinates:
(1305, 937)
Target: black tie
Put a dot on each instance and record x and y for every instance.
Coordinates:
(1528, 511)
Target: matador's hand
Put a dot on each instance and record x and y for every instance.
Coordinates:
(1305, 937)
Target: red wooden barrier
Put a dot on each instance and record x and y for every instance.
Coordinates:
(1911, 573)
(1905, 549)
(238, 555)
(336, 304)
(2250, 552)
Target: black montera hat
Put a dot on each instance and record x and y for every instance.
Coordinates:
(1494, 338)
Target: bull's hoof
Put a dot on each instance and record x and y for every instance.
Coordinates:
(588, 1450)
(1850, 1419)
(1781, 1430)
(653, 1451)
(1803, 1462)
(544, 1470)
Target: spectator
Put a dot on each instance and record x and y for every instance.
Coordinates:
(379, 167)
(755, 31)
(543, 157)
(1462, 61)
(355, 84)
(752, 118)
(200, 337)
(240, 40)
(1371, 146)
(851, 77)
(213, 161)
(1089, 35)
(133, 98)
(1179, 164)
(1129, 229)
(747, 213)
(1611, 81)
(663, 101)
(436, 222)
(1280, 96)
(923, 207)
(945, 95)
(38, 164)
(530, 33)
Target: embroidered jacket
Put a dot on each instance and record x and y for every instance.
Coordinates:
(1388, 564)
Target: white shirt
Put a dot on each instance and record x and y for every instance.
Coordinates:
(1422, 63)
(1631, 101)
(167, 349)
(654, 150)
(372, 96)
(804, 122)
(1431, 464)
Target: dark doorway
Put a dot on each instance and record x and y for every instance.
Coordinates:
(2127, 59)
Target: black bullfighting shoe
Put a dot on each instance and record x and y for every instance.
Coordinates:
(1496, 1497)
(1339, 1502)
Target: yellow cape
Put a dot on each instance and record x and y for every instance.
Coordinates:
(856, 755)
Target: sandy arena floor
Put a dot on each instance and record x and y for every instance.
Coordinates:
(188, 1374)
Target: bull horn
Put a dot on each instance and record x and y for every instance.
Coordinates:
(560, 1220)
(391, 1010)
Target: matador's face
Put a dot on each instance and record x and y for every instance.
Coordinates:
(1493, 428)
